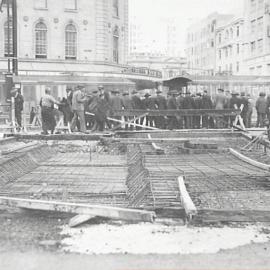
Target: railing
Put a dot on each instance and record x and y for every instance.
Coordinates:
(130, 113)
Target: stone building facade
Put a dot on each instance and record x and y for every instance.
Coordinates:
(257, 37)
(66, 42)
(230, 48)
(69, 35)
(201, 44)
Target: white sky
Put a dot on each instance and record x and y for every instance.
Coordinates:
(183, 11)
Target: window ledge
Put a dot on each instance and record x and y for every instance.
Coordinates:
(116, 17)
(71, 10)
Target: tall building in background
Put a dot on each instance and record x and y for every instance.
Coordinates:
(201, 44)
(230, 48)
(257, 37)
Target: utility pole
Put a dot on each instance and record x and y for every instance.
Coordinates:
(12, 47)
(8, 36)
(15, 37)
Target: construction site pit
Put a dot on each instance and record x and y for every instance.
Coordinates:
(226, 176)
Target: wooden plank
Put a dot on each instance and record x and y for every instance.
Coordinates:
(145, 140)
(130, 121)
(65, 137)
(125, 122)
(79, 220)
(81, 209)
(249, 160)
(188, 204)
(158, 149)
(194, 112)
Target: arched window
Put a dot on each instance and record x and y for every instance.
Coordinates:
(41, 40)
(8, 38)
(71, 42)
(116, 45)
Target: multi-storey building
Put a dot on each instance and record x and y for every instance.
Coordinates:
(201, 44)
(230, 48)
(257, 37)
(71, 38)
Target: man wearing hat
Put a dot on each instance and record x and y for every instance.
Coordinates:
(198, 106)
(244, 108)
(137, 105)
(149, 104)
(220, 100)
(220, 103)
(180, 102)
(101, 89)
(172, 105)
(234, 104)
(207, 104)
(19, 101)
(92, 108)
(116, 104)
(78, 101)
(161, 104)
(188, 104)
(47, 103)
(127, 104)
(261, 107)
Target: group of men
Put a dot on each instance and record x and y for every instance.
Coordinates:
(97, 110)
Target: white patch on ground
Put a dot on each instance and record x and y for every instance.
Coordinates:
(158, 239)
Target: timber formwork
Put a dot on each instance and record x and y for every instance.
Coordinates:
(136, 175)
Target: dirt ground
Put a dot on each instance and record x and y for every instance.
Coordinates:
(31, 240)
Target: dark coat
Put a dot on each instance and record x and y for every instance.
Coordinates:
(206, 102)
(137, 103)
(127, 103)
(244, 102)
(171, 103)
(261, 105)
(19, 103)
(235, 102)
(161, 103)
(188, 103)
(198, 103)
(116, 103)
(149, 103)
(180, 102)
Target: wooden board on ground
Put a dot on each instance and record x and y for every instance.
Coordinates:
(188, 204)
(155, 140)
(65, 137)
(81, 209)
(249, 160)
(158, 149)
(79, 220)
